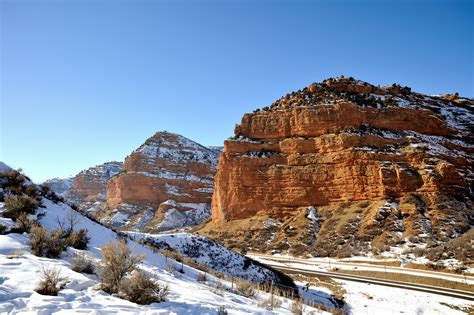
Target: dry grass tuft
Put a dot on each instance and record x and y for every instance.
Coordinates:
(245, 288)
(82, 263)
(51, 282)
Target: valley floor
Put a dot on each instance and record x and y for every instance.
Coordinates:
(366, 298)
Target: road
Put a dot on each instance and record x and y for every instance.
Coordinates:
(390, 283)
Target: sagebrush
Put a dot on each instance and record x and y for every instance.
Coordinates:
(117, 261)
(82, 263)
(142, 289)
(51, 281)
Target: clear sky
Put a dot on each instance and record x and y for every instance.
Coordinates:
(85, 82)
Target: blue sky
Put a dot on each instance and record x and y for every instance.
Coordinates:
(85, 82)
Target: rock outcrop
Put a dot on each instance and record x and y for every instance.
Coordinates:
(166, 183)
(87, 190)
(344, 166)
(59, 185)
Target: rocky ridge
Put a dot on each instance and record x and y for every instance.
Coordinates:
(87, 190)
(344, 167)
(166, 183)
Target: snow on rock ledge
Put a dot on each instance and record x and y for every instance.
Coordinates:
(168, 173)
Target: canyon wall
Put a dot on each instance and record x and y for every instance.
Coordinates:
(403, 157)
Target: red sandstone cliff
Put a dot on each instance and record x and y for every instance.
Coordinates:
(368, 165)
(87, 190)
(166, 183)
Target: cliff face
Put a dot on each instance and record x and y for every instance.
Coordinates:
(90, 185)
(352, 164)
(166, 183)
(87, 190)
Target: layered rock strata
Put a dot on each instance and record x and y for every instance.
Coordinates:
(166, 183)
(348, 164)
(87, 190)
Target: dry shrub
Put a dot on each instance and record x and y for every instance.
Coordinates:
(171, 268)
(345, 251)
(201, 277)
(51, 282)
(3, 229)
(69, 222)
(23, 223)
(270, 303)
(192, 263)
(140, 289)
(15, 253)
(297, 307)
(117, 262)
(178, 257)
(221, 310)
(44, 243)
(52, 244)
(78, 239)
(245, 288)
(82, 263)
(419, 252)
(217, 274)
(13, 181)
(338, 311)
(56, 244)
(172, 254)
(16, 204)
(219, 288)
(38, 238)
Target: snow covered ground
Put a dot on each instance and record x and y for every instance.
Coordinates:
(19, 275)
(207, 252)
(364, 298)
(374, 299)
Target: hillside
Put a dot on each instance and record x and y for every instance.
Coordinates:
(87, 190)
(81, 292)
(166, 183)
(346, 168)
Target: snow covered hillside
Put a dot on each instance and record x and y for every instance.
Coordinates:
(209, 253)
(4, 167)
(21, 270)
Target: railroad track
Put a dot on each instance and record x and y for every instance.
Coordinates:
(390, 283)
(419, 272)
